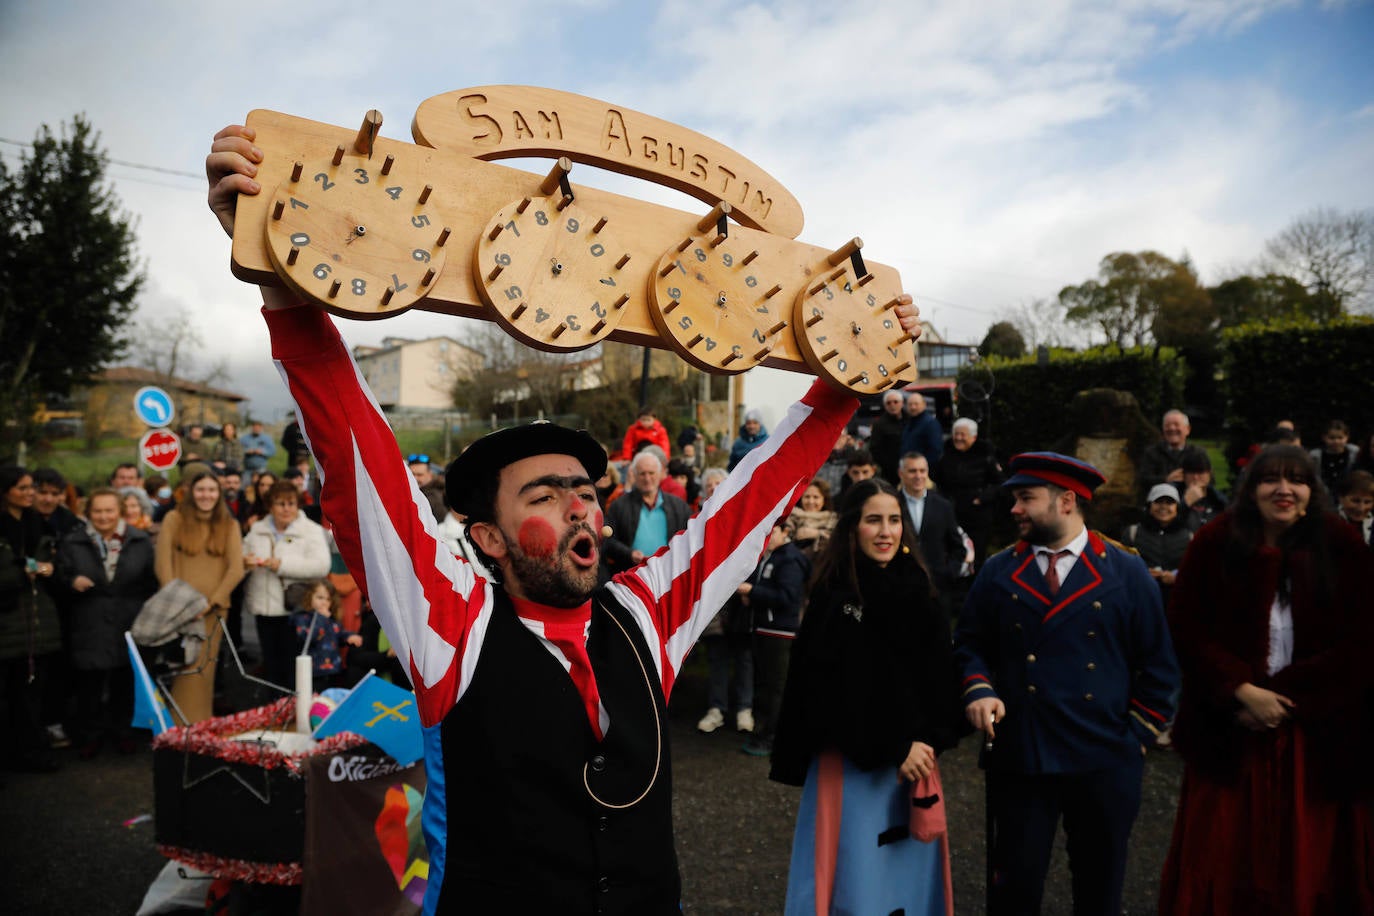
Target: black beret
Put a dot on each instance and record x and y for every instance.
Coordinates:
(507, 446)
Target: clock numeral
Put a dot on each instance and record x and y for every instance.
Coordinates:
(571, 322)
(513, 228)
(727, 260)
(300, 240)
(685, 322)
(513, 292)
(710, 344)
(362, 176)
(608, 281)
(420, 221)
(299, 204)
(893, 351)
(751, 281)
(674, 293)
(848, 287)
(540, 316)
(882, 370)
(397, 285)
(872, 300)
(829, 294)
(322, 271)
(503, 259)
(541, 218)
(573, 225)
(419, 254)
(597, 251)
(324, 181)
(758, 335)
(394, 192)
(678, 265)
(598, 310)
(820, 341)
(762, 310)
(359, 286)
(700, 255)
(841, 366)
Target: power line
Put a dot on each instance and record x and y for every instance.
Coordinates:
(123, 162)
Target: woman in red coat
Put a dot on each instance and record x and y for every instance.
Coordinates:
(1271, 617)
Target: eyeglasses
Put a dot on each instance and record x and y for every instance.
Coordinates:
(417, 459)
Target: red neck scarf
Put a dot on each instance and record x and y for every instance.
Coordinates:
(565, 629)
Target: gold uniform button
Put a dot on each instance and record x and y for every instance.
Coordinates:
(1088, 697)
(1031, 658)
(1097, 605)
(1092, 634)
(1015, 597)
(1030, 689)
(1092, 666)
(1016, 627)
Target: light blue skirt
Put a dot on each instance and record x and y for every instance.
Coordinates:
(877, 866)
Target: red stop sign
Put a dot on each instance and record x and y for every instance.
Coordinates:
(160, 449)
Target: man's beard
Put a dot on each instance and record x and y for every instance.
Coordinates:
(551, 581)
(1040, 534)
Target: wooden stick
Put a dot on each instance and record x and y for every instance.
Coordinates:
(712, 219)
(560, 168)
(839, 254)
(367, 134)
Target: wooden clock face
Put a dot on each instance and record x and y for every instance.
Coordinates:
(354, 240)
(713, 299)
(555, 277)
(849, 334)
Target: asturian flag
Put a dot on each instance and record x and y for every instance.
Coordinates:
(149, 709)
(382, 713)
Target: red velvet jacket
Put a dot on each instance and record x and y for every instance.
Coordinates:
(1219, 618)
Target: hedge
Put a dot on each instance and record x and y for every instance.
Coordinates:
(1029, 403)
(1301, 370)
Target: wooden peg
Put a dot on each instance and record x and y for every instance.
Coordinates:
(562, 203)
(278, 209)
(902, 368)
(495, 272)
(889, 306)
(758, 357)
(684, 244)
(866, 279)
(519, 310)
(829, 356)
(367, 134)
(596, 328)
(495, 231)
(620, 303)
(905, 337)
(818, 287)
(748, 258)
(672, 304)
(836, 275)
(522, 206)
(296, 171)
(814, 320)
(839, 254)
(777, 288)
(777, 327)
(424, 195)
(338, 154)
(731, 358)
(600, 224)
(387, 164)
(386, 296)
(427, 278)
(861, 377)
(712, 220)
(558, 331)
(624, 259)
(443, 238)
(334, 289)
(560, 169)
(667, 269)
(292, 255)
(694, 341)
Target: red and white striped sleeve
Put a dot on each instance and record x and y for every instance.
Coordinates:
(675, 593)
(432, 605)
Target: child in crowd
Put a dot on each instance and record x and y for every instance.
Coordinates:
(317, 620)
(1355, 500)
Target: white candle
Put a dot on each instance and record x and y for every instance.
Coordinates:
(303, 694)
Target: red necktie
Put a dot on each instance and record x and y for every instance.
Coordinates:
(567, 630)
(1052, 571)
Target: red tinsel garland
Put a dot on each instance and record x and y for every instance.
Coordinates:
(237, 869)
(213, 738)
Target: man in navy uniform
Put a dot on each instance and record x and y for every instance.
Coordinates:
(1066, 661)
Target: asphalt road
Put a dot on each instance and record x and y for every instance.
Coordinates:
(65, 847)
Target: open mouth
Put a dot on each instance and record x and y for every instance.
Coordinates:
(583, 549)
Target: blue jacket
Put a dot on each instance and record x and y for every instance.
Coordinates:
(923, 434)
(1087, 679)
(744, 444)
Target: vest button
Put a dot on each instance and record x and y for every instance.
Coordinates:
(1097, 605)
(1088, 697)
(1092, 666)
(1031, 658)
(603, 884)
(1092, 634)
(602, 824)
(598, 763)
(1030, 689)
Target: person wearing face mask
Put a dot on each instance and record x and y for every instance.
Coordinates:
(869, 702)
(1272, 616)
(199, 543)
(106, 567)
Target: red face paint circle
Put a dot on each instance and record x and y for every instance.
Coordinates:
(598, 521)
(537, 538)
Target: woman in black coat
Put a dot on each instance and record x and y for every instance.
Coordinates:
(870, 700)
(107, 567)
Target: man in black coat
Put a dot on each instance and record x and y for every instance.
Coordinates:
(931, 516)
(885, 441)
(662, 515)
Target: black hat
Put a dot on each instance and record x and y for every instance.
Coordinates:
(1037, 469)
(1194, 459)
(495, 450)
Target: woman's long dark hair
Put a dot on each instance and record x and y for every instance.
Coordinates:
(836, 565)
(1307, 534)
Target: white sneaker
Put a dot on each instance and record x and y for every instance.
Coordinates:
(713, 720)
(744, 720)
(57, 736)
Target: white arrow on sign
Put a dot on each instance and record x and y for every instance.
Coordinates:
(156, 407)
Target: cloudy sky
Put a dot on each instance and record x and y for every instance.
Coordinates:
(992, 151)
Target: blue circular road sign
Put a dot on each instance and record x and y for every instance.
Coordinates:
(153, 406)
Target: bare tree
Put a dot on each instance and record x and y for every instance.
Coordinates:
(512, 378)
(1329, 251)
(1041, 323)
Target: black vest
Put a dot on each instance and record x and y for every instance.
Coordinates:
(525, 834)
